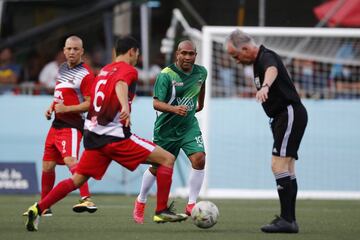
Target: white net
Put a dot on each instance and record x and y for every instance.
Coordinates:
(323, 63)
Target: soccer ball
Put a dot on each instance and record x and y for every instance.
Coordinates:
(205, 214)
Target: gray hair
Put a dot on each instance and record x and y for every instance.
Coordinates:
(239, 38)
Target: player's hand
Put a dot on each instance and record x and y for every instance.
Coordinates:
(262, 94)
(60, 108)
(48, 113)
(180, 110)
(125, 116)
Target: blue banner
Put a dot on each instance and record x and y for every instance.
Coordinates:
(18, 178)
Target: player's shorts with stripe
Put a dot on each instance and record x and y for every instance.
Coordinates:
(61, 143)
(192, 142)
(128, 152)
(288, 128)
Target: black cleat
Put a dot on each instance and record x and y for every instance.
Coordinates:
(280, 225)
(168, 215)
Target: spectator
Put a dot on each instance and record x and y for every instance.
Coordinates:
(49, 72)
(226, 77)
(9, 71)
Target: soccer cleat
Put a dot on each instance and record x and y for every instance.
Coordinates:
(33, 217)
(168, 215)
(280, 225)
(85, 205)
(47, 213)
(189, 208)
(138, 213)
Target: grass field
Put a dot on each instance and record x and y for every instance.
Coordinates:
(239, 219)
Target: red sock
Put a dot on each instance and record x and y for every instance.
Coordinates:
(60, 191)
(84, 189)
(47, 182)
(163, 180)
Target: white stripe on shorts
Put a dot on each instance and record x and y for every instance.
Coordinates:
(142, 143)
(285, 140)
(74, 141)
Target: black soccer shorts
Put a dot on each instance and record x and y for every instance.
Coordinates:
(288, 128)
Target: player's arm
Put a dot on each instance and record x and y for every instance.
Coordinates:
(79, 108)
(121, 90)
(49, 111)
(164, 107)
(270, 76)
(201, 98)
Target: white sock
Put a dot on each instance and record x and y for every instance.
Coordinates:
(195, 181)
(146, 184)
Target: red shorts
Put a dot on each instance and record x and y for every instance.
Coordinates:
(128, 153)
(61, 143)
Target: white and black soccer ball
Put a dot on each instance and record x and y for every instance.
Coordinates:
(205, 214)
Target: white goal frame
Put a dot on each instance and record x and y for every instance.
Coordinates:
(209, 33)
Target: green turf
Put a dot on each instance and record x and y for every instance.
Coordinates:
(239, 219)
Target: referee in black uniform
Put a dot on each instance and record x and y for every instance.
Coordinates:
(288, 119)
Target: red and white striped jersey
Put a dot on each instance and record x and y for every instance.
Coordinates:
(72, 84)
(103, 124)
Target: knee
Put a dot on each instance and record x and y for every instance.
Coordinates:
(169, 159)
(198, 161)
(48, 166)
(79, 180)
(70, 162)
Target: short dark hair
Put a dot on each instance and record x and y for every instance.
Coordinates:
(124, 44)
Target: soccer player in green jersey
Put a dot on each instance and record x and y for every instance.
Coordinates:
(179, 93)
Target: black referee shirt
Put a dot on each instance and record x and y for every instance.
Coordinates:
(282, 92)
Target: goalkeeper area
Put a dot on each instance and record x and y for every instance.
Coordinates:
(239, 219)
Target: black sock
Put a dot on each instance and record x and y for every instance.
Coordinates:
(294, 194)
(285, 191)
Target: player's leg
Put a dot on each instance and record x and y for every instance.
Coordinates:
(47, 182)
(288, 129)
(50, 158)
(68, 142)
(164, 173)
(280, 169)
(85, 203)
(294, 188)
(148, 180)
(196, 179)
(60, 191)
(193, 147)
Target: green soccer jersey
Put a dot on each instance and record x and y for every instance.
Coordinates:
(175, 87)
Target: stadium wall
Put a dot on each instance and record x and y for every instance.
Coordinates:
(238, 151)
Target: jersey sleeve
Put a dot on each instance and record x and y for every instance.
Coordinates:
(128, 76)
(86, 84)
(161, 87)
(269, 60)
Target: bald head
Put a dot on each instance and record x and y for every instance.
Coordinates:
(74, 38)
(185, 55)
(73, 50)
(186, 44)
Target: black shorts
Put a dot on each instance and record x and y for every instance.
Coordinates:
(288, 128)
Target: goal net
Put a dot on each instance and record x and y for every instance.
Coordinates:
(323, 63)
